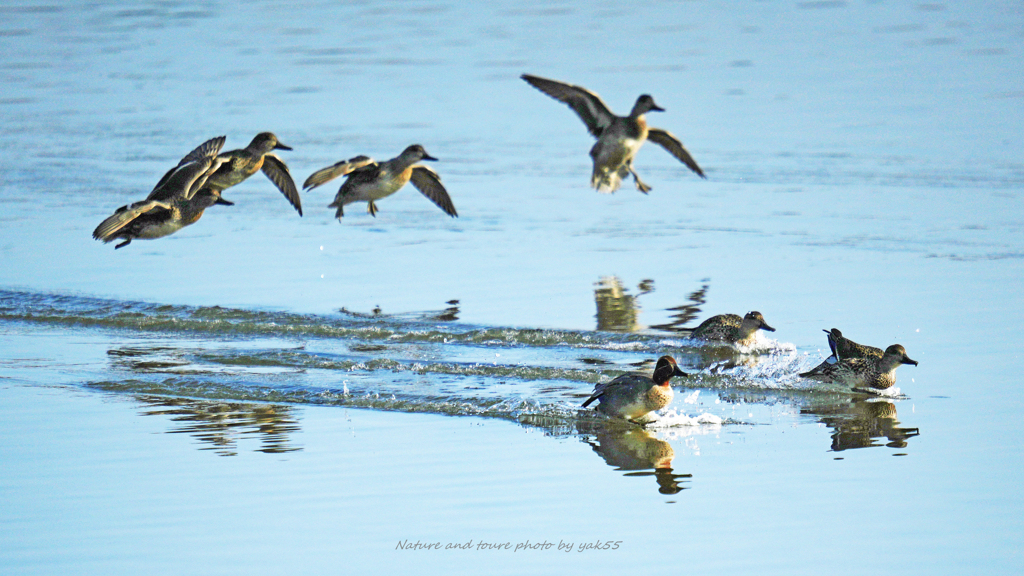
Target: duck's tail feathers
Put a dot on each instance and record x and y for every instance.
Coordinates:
(606, 183)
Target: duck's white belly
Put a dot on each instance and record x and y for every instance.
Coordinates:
(160, 230)
(378, 188)
(612, 154)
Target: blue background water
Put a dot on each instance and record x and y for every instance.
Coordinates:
(864, 173)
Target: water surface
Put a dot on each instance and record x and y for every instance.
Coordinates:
(285, 394)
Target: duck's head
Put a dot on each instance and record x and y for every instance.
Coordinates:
(267, 141)
(755, 319)
(898, 352)
(644, 104)
(208, 197)
(665, 369)
(417, 153)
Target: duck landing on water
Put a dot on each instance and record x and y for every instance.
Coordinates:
(619, 138)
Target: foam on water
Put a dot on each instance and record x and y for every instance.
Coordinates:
(672, 418)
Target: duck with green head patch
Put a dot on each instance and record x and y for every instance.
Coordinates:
(632, 396)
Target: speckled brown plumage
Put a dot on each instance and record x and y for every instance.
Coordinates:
(732, 328)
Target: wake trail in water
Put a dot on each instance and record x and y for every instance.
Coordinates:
(411, 363)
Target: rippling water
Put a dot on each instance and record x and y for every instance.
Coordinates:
(864, 173)
(413, 362)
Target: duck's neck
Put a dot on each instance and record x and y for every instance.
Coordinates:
(747, 329)
(888, 364)
(403, 161)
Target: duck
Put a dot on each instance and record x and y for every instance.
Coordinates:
(619, 138)
(732, 328)
(240, 164)
(632, 396)
(843, 348)
(867, 374)
(178, 200)
(368, 180)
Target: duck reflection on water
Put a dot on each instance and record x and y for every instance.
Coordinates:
(619, 311)
(220, 425)
(686, 312)
(862, 422)
(856, 421)
(635, 451)
(448, 314)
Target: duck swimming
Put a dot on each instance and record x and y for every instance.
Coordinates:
(632, 396)
(731, 328)
(863, 373)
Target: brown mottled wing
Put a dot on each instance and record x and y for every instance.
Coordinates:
(208, 149)
(821, 371)
(277, 171)
(124, 216)
(587, 105)
(669, 142)
(185, 180)
(846, 348)
(202, 170)
(342, 168)
(429, 183)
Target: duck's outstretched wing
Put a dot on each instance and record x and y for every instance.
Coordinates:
(666, 140)
(208, 149)
(125, 215)
(429, 183)
(587, 105)
(341, 168)
(277, 171)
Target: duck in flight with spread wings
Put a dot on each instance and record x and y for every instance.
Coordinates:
(618, 137)
(178, 200)
(368, 180)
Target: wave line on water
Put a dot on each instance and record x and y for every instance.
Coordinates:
(402, 363)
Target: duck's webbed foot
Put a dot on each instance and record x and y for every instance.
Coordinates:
(639, 183)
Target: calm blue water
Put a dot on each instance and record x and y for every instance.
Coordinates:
(230, 391)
